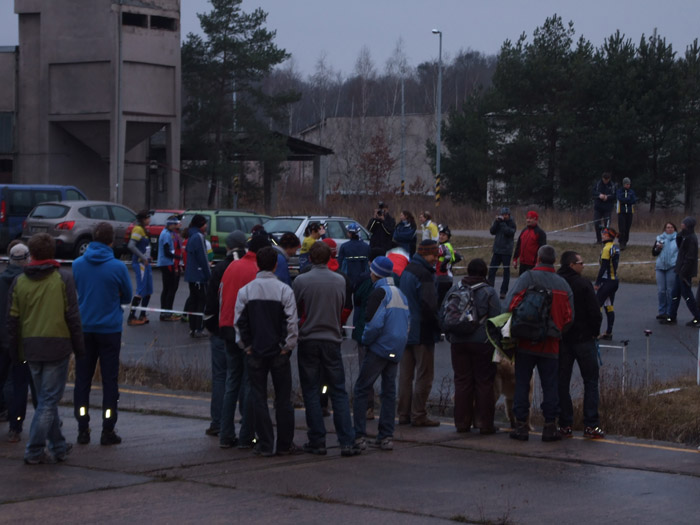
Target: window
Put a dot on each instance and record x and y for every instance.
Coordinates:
(45, 196)
(97, 212)
(249, 222)
(122, 214)
(187, 217)
(163, 22)
(226, 224)
(49, 211)
(20, 202)
(134, 19)
(335, 230)
(282, 225)
(73, 195)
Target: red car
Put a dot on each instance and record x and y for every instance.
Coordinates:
(158, 219)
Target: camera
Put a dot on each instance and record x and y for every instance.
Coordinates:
(380, 212)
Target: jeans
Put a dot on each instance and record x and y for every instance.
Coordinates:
(548, 369)
(279, 367)
(601, 219)
(417, 361)
(475, 373)
(316, 357)
(683, 289)
(17, 402)
(497, 260)
(361, 352)
(665, 281)
(585, 354)
(218, 378)
(171, 282)
(237, 389)
(50, 381)
(371, 368)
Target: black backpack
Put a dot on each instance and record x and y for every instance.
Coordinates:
(459, 312)
(530, 319)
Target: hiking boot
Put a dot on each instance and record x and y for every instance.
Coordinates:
(427, 422)
(347, 451)
(521, 432)
(566, 432)
(109, 437)
(83, 436)
(136, 322)
(293, 450)
(593, 433)
(13, 436)
(361, 443)
(319, 450)
(384, 444)
(62, 457)
(262, 453)
(550, 432)
(212, 430)
(694, 322)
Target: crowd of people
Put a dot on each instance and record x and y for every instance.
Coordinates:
(399, 288)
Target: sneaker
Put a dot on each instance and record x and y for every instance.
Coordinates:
(370, 414)
(293, 450)
(593, 433)
(174, 317)
(212, 430)
(605, 337)
(62, 457)
(550, 432)
(668, 320)
(426, 423)
(349, 451)
(566, 432)
(13, 436)
(136, 322)
(109, 438)
(84, 436)
(44, 458)
(262, 453)
(229, 443)
(521, 432)
(319, 450)
(144, 318)
(384, 444)
(361, 443)
(197, 334)
(242, 445)
(694, 322)
(661, 316)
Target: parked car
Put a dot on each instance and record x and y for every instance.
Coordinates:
(158, 220)
(222, 222)
(17, 200)
(71, 223)
(335, 229)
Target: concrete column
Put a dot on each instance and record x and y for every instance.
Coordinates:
(172, 161)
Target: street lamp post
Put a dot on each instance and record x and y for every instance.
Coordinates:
(438, 118)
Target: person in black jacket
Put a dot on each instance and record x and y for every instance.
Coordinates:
(381, 228)
(504, 229)
(603, 204)
(686, 268)
(578, 344)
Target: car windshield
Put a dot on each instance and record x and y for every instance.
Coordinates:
(159, 218)
(49, 211)
(282, 225)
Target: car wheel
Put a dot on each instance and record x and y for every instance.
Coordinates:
(80, 247)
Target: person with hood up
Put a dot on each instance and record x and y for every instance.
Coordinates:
(686, 268)
(103, 285)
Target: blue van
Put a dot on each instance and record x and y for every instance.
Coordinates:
(17, 200)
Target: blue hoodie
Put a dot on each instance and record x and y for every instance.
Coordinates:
(103, 285)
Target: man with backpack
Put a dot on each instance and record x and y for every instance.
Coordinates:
(542, 306)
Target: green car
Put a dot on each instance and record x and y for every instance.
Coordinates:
(222, 222)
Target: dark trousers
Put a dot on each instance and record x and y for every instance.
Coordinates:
(106, 348)
(474, 376)
(498, 259)
(281, 371)
(171, 282)
(601, 219)
(525, 268)
(606, 291)
(585, 354)
(548, 369)
(237, 391)
(624, 222)
(21, 378)
(683, 289)
(372, 367)
(196, 303)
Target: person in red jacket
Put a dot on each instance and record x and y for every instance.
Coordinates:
(530, 240)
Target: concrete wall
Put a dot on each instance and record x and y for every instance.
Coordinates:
(8, 60)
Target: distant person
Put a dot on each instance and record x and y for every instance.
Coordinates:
(381, 228)
(531, 239)
(626, 199)
(447, 257)
(43, 327)
(353, 254)
(503, 228)
(578, 345)
(314, 232)
(608, 280)
(103, 285)
(197, 273)
(429, 230)
(385, 335)
(405, 232)
(603, 204)
(535, 288)
(288, 245)
(418, 361)
(267, 330)
(666, 252)
(686, 268)
(140, 248)
(169, 264)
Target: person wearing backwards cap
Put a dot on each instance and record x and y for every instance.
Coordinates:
(418, 285)
(386, 332)
(530, 240)
(169, 264)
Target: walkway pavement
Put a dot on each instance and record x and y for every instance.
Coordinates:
(168, 471)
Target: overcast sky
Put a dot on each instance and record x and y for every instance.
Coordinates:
(308, 28)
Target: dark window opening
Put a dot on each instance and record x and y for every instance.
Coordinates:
(163, 22)
(134, 19)
(5, 165)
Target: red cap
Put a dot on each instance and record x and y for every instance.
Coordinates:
(532, 215)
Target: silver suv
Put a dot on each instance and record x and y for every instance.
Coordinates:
(71, 223)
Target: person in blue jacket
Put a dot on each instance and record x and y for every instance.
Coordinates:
(103, 285)
(197, 273)
(353, 255)
(405, 232)
(385, 335)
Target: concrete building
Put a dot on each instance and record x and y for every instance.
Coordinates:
(91, 82)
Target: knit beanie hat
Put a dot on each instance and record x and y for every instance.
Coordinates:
(382, 266)
(258, 242)
(19, 252)
(332, 245)
(626, 180)
(505, 210)
(428, 247)
(198, 221)
(235, 239)
(532, 215)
